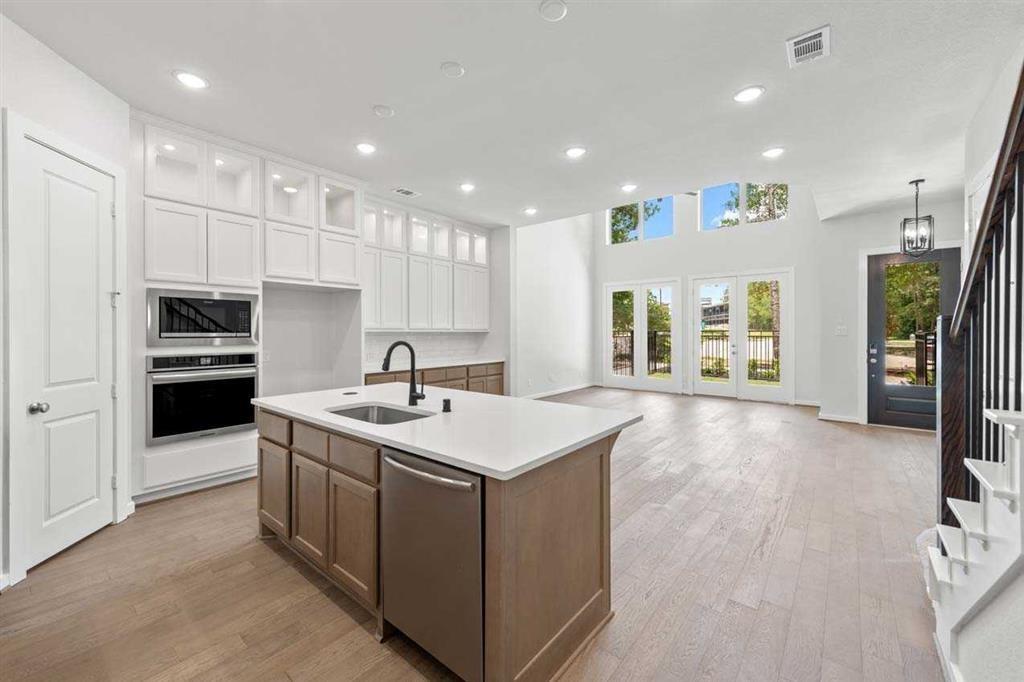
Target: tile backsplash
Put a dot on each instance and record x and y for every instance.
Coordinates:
(428, 345)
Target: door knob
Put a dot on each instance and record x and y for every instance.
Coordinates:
(38, 408)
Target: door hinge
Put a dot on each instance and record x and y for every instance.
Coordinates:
(113, 298)
(113, 482)
(113, 391)
(113, 210)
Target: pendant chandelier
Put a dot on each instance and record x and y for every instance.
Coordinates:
(917, 234)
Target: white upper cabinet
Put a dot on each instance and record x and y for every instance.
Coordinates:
(419, 235)
(175, 242)
(471, 298)
(339, 259)
(289, 252)
(480, 299)
(441, 239)
(480, 253)
(371, 225)
(233, 254)
(369, 275)
(419, 292)
(339, 207)
(175, 166)
(440, 294)
(234, 180)
(463, 245)
(392, 290)
(290, 194)
(393, 229)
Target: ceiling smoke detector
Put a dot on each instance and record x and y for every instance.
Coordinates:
(405, 192)
(809, 46)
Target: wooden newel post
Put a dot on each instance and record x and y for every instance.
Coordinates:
(950, 418)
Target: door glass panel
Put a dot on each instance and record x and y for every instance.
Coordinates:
(714, 332)
(911, 306)
(659, 333)
(370, 225)
(622, 333)
(763, 327)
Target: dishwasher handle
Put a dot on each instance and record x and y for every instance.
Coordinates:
(465, 486)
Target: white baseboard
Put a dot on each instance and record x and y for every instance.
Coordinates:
(807, 403)
(949, 671)
(192, 486)
(548, 394)
(838, 418)
(5, 582)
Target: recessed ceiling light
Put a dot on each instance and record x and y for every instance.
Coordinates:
(553, 10)
(453, 69)
(327, 189)
(749, 93)
(629, 187)
(530, 211)
(290, 190)
(365, 148)
(773, 152)
(219, 162)
(383, 111)
(275, 176)
(575, 152)
(169, 147)
(467, 187)
(190, 80)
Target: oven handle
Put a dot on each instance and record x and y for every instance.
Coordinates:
(203, 375)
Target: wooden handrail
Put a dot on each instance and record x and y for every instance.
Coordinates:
(1013, 144)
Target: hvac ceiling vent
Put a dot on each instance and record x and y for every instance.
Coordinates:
(809, 46)
(407, 193)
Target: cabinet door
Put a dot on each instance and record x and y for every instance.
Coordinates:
(370, 277)
(275, 486)
(462, 301)
(463, 245)
(233, 246)
(480, 252)
(353, 536)
(494, 385)
(309, 508)
(289, 252)
(393, 229)
(339, 259)
(478, 385)
(392, 290)
(480, 298)
(234, 180)
(175, 242)
(339, 207)
(290, 194)
(371, 225)
(441, 239)
(419, 235)
(440, 294)
(175, 166)
(419, 292)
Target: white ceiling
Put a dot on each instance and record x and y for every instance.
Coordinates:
(646, 86)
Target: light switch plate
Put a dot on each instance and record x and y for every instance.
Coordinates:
(841, 330)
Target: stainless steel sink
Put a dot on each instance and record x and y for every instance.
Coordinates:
(379, 414)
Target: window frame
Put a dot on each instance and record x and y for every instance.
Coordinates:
(641, 235)
(741, 209)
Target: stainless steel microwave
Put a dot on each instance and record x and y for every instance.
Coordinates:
(200, 318)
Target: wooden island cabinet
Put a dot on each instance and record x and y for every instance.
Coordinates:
(487, 377)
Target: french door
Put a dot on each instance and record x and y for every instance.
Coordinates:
(742, 344)
(642, 329)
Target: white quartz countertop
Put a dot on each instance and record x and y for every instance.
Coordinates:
(400, 362)
(491, 435)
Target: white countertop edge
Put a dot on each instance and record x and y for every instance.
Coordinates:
(441, 457)
(402, 364)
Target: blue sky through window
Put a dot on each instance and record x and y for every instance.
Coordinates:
(660, 224)
(714, 202)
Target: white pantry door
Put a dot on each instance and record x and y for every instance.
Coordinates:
(62, 349)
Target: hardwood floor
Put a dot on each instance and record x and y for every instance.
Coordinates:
(750, 542)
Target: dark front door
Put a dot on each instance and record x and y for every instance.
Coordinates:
(905, 296)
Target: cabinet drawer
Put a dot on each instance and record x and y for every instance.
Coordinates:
(478, 370)
(355, 458)
(379, 379)
(495, 385)
(309, 441)
(459, 384)
(434, 375)
(274, 428)
(455, 373)
(495, 368)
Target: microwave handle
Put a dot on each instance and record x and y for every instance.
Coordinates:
(256, 325)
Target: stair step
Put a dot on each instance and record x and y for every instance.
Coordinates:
(969, 516)
(993, 476)
(1005, 417)
(940, 566)
(953, 540)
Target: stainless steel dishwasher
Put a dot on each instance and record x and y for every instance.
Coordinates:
(432, 559)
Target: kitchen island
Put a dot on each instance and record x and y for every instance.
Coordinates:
(482, 533)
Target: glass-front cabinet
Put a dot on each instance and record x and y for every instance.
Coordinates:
(463, 245)
(338, 207)
(289, 197)
(393, 224)
(441, 239)
(234, 180)
(419, 235)
(175, 166)
(371, 225)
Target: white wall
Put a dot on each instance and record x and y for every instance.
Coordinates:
(38, 84)
(840, 243)
(554, 306)
(792, 242)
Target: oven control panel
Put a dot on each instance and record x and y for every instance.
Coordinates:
(171, 363)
